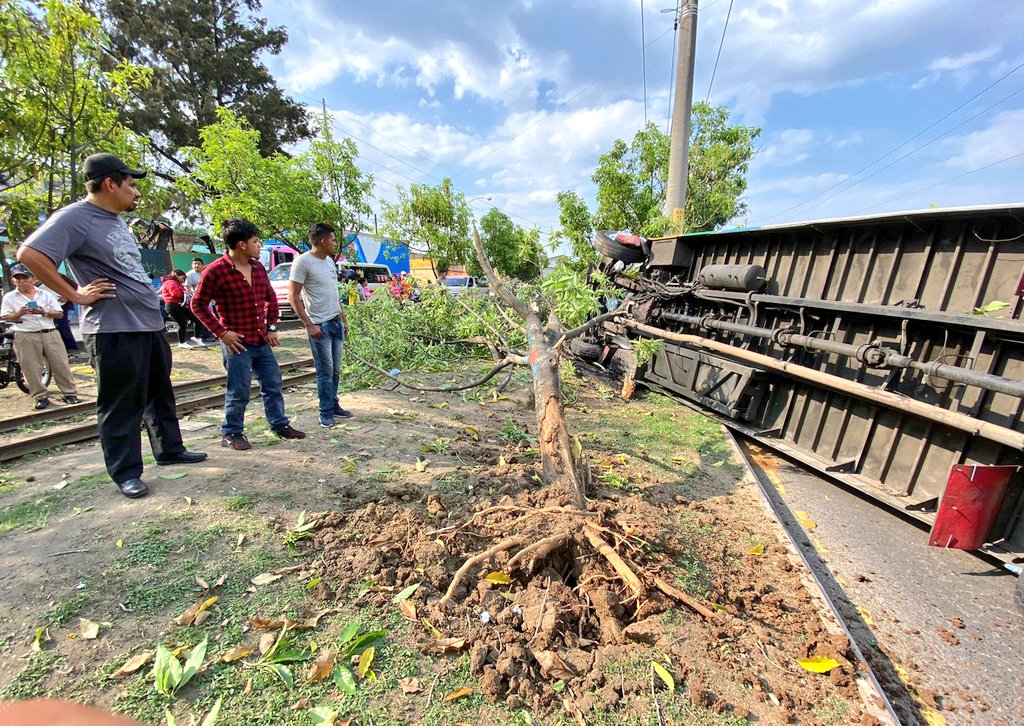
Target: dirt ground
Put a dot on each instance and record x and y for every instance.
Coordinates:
(388, 493)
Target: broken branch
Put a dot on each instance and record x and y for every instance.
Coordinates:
(677, 594)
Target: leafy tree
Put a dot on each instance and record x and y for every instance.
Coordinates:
(280, 194)
(515, 251)
(343, 184)
(59, 103)
(434, 220)
(632, 179)
(205, 55)
(577, 228)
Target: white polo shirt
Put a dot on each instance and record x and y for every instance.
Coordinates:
(15, 301)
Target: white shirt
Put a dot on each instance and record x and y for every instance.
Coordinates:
(30, 323)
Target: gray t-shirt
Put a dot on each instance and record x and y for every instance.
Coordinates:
(319, 280)
(192, 279)
(97, 243)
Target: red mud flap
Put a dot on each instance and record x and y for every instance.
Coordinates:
(970, 505)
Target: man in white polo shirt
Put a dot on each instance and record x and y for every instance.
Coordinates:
(32, 312)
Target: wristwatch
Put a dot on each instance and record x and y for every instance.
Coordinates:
(271, 328)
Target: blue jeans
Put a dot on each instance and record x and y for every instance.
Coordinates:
(327, 358)
(258, 359)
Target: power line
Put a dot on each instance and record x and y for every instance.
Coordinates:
(946, 181)
(719, 56)
(672, 68)
(643, 61)
(916, 149)
(898, 147)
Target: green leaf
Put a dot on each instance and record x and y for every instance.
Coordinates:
(406, 593)
(558, 686)
(665, 676)
(348, 633)
(365, 661)
(324, 715)
(421, 464)
(344, 679)
(284, 673)
(193, 663)
(313, 583)
(175, 475)
(213, 715)
(363, 640)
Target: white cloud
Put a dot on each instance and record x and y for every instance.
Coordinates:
(787, 147)
(1001, 139)
(960, 66)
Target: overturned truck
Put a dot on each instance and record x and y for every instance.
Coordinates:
(886, 352)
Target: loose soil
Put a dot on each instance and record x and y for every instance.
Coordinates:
(393, 494)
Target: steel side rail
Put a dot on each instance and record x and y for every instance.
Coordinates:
(52, 414)
(85, 432)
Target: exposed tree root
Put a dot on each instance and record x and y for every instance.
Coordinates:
(676, 594)
(618, 564)
(475, 560)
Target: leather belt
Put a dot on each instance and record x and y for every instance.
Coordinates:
(48, 330)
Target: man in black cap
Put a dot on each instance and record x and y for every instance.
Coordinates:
(121, 322)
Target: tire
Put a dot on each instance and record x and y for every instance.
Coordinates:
(585, 349)
(20, 378)
(615, 250)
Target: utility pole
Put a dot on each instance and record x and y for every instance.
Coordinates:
(679, 155)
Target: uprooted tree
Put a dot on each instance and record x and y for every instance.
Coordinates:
(599, 576)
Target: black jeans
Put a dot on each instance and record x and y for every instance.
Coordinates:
(182, 315)
(134, 386)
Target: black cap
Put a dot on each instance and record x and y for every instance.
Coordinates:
(98, 166)
(20, 269)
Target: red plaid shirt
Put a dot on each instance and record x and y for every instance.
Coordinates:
(241, 308)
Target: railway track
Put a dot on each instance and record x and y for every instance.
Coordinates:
(868, 681)
(40, 440)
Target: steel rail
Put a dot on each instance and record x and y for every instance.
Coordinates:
(794, 534)
(86, 432)
(89, 407)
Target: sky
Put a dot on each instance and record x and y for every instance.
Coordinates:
(865, 106)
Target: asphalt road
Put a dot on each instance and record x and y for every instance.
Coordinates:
(946, 618)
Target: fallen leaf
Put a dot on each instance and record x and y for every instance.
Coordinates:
(325, 716)
(175, 475)
(220, 581)
(82, 510)
(421, 464)
(498, 578)
(446, 645)
(406, 593)
(719, 608)
(241, 539)
(202, 583)
(237, 653)
(267, 641)
(132, 665)
(88, 629)
(201, 617)
(410, 685)
(808, 523)
(289, 570)
(265, 579)
(456, 695)
(344, 679)
(365, 661)
(552, 666)
(430, 627)
(299, 705)
(473, 431)
(818, 664)
(322, 666)
(443, 404)
(665, 676)
(408, 610)
(41, 636)
(758, 550)
(119, 544)
(188, 501)
(501, 460)
(189, 616)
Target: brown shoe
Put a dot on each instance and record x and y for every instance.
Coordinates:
(238, 442)
(289, 433)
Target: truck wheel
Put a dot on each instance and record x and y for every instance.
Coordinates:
(616, 250)
(585, 349)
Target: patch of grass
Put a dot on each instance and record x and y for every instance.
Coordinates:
(512, 434)
(66, 609)
(453, 481)
(8, 482)
(29, 683)
(240, 502)
(832, 710)
(35, 513)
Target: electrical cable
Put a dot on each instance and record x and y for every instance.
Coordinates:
(916, 149)
(719, 56)
(900, 146)
(672, 69)
(643, 58)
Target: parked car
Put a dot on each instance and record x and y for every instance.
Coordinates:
(279, 281)
(374, 274)
(464, 284)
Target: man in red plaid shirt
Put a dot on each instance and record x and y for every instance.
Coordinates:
(246, 325)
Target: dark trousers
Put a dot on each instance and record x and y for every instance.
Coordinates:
(133, 375)
(183, 316)
(64, 326)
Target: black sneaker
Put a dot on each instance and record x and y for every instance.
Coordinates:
(70, 398)
(339, 412)
(41, 403)
(287, 432)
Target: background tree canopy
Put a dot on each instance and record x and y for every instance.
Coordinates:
(632, 179)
